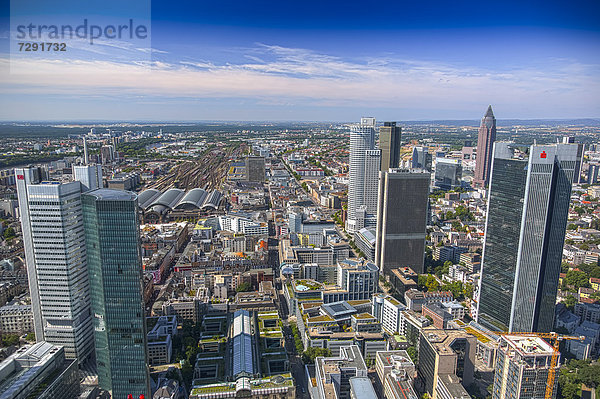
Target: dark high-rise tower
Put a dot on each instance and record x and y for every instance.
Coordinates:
(110, 219)
(524, 235)
(485, 143)
(402, 219)
(389, 144)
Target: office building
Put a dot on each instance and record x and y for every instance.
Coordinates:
(55, 253)
(365, 241)
(358, 278)
(362, 139)
(398, 385)
(387, 362)
(593, 173)
(485, 144)
(389, 143)
(255, 169)
(271, 387)
(372, 166)
(160, 339)
(115, 269)
(421, 158)
(402, 219)
(333, 374)
(39, 371)
(525, 230)
(448, 173)
(107, 154)
(388, 311)
(90, 176)
(446, 361)
(522, 368)
(16, 319)
(362, 388)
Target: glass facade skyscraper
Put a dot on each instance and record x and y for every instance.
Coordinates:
(525, 230)
(115, 271)
(55, 253)
(389, 143)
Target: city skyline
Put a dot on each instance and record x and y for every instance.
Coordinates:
(299, 200)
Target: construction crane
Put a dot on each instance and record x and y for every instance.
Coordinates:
(554, 339)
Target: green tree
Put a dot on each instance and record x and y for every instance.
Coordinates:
(577, 279)
(244, 287)
(431, 283)
(9, 233)
(570, 302)
(463, 213)
(310, 354)
(412, 353)
(10, 340)
(572, 226)
(456, 288)
(468, 290)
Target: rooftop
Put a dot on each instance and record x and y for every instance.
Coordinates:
(277, 381)
(528, 345)
(362, 388)
(107, 194)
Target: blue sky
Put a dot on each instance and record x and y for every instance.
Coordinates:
(335, 61)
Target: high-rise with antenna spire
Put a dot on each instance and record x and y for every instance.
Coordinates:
(485, 143)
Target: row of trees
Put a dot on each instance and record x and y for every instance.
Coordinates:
(318, 164)
(459, 290)
(573, 374)
(297, 340)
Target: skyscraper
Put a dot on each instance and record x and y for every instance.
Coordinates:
(372, 166)
(362, 138)
(90, 176)
(402, 219)
(389, 143)
(115, 269)
(592, 176)
(421, 158)
(55, 253)
(522, 368)
(525, 230)
(485, 143)
(448, 173)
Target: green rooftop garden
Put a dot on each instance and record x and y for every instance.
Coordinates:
(269, 382)
(362, 316)
(310, 284)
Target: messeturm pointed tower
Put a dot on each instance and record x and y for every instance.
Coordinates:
(485, 143)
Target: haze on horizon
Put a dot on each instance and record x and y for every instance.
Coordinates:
(325, 62)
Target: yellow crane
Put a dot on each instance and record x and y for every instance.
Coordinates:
(554, 340)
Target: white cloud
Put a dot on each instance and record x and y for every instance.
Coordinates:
(275, 74)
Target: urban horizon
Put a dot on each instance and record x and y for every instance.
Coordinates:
(299, 200)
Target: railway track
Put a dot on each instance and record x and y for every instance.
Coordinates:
(208, 172)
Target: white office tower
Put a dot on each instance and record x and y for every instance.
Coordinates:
(362, 140)
(90, 176)
(372, 166)
(53, 237)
